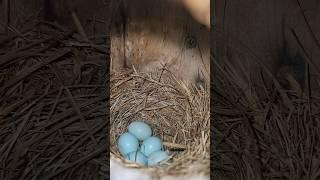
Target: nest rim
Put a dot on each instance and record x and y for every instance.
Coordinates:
(196, 152)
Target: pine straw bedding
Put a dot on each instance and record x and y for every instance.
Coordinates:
(52, 104)
(261, 130)
(177, 114)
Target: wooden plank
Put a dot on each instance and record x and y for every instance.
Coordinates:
(6, 6)
(148, 35)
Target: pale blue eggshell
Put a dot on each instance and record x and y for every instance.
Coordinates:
(140, 129)
(156, 157)
(127, 143)
(137, 157)
(150, 145)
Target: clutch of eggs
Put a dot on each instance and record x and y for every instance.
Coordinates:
(149, 153)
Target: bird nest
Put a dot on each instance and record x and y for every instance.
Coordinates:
(178, 114)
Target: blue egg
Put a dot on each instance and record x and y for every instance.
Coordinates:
(156, 157)
(137, 157)
(140, 129)
(127, 143)
(151, 145)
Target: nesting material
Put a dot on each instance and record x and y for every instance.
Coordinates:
(262, 130)
(53, 107)
(178, 114)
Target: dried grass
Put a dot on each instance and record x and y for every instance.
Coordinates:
(262, 131)
(53, 104)
(178, 114)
